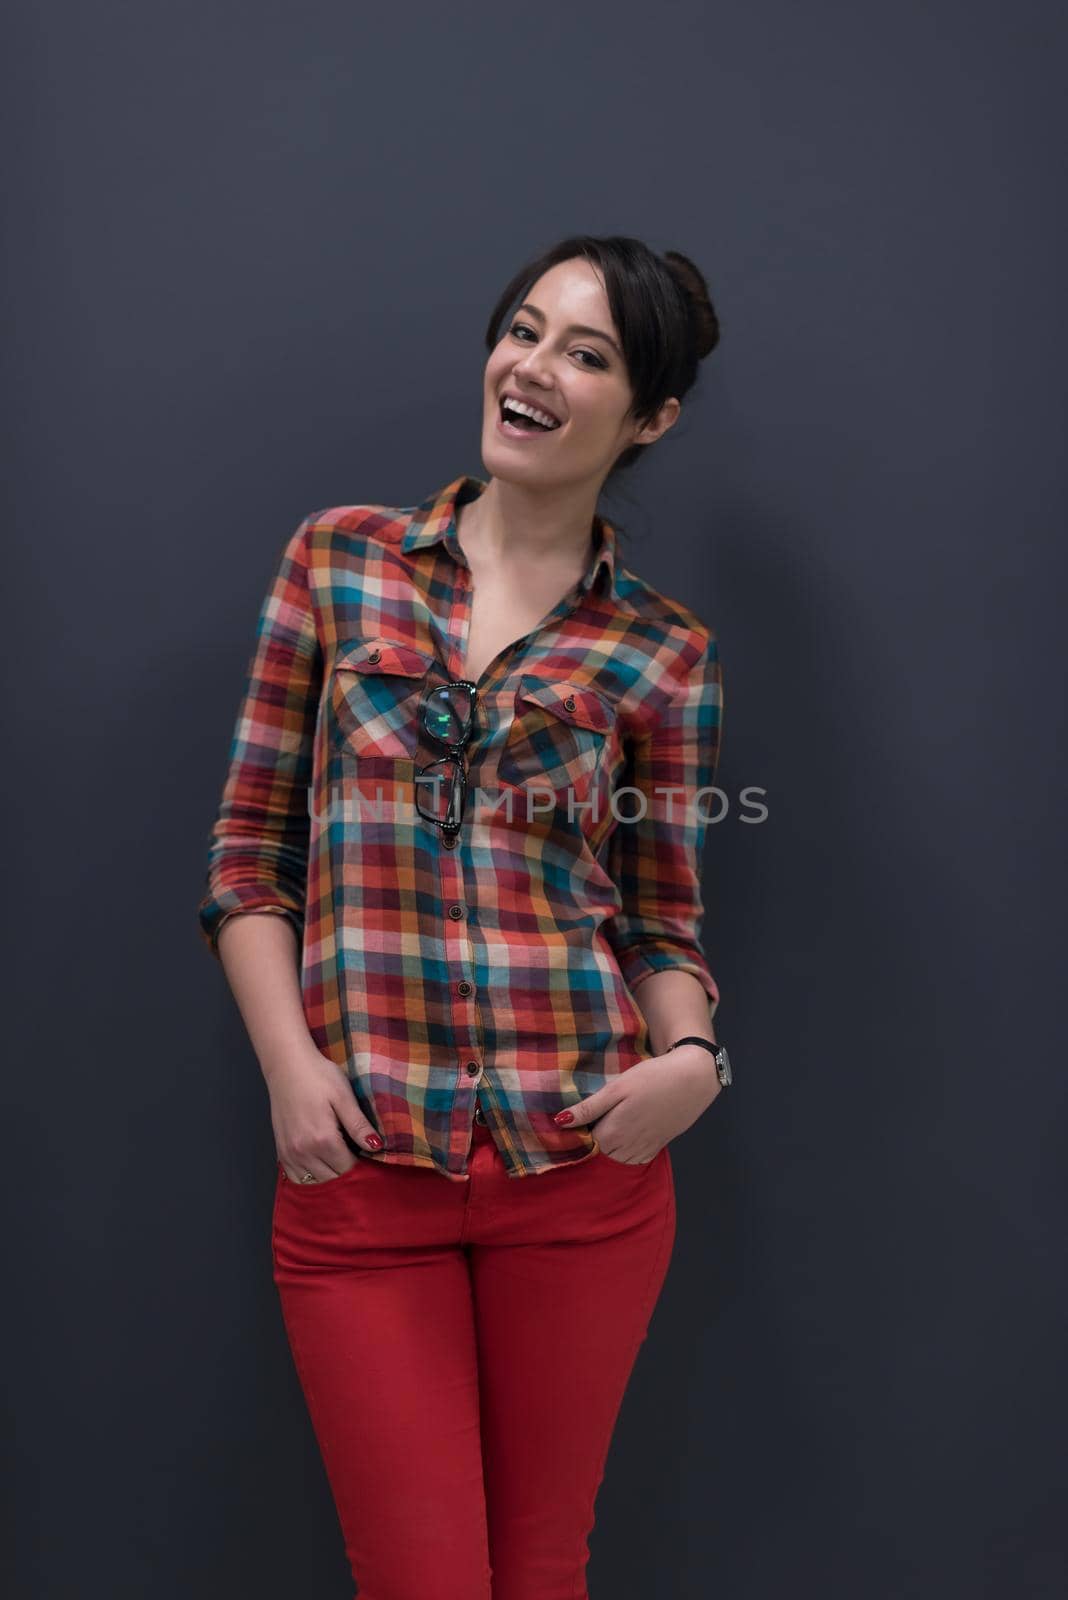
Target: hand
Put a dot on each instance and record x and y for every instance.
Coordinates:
(312, 1107)
(651, 1103)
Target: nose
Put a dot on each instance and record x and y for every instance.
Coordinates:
(532, 369)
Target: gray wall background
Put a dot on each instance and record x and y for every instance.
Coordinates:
(251, 252)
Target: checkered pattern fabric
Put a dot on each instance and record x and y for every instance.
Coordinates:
(498, 967)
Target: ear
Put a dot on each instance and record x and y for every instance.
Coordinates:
(658, 425)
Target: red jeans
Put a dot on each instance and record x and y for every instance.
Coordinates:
(463, 1351)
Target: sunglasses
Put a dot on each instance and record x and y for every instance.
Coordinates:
(447, 715)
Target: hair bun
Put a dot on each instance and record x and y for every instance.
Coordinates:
(695, 292)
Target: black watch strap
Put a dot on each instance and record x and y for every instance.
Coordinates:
(723, 1060)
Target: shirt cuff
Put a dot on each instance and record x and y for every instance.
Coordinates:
(642, 961)
(216, 911)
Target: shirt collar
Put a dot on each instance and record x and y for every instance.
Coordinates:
(434, 521)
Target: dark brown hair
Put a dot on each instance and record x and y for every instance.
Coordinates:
(661, 309)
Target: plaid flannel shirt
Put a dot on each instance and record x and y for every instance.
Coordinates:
(499, 967)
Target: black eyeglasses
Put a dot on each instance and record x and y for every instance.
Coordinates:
(447, 714)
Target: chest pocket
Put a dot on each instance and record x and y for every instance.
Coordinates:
(377, 686)
(558, 738)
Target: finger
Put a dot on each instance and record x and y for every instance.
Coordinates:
(628, 1159)
(359, 1138)
(580, 1113)
(322, 1171)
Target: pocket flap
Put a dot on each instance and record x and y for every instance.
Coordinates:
(569, 701)
(381, 655)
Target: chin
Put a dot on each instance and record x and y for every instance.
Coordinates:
(507, 465)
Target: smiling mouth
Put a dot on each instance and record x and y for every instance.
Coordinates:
(513, 418)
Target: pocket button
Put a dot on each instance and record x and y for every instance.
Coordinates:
(558, 737)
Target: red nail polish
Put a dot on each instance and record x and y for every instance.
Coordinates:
(564, 1117)
(374, 1141)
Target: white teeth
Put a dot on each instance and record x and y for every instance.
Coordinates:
(530, 411)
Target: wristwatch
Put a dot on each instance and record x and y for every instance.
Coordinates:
(723, 1060)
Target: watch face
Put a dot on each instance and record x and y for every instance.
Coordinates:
(723, 1065)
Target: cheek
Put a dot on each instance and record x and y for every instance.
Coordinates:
(494, 370)
(618, 424)
(489, 393)
(595, 425)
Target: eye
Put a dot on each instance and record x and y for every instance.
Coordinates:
(519, 328)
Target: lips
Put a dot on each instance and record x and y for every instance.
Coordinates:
(517, 434)
(535, 405)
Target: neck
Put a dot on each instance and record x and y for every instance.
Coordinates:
(517, 529)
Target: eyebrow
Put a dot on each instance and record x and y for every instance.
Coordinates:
(575, 327)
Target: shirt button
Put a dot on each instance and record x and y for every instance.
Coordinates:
(569, 703)
(456, 912)
(480, 1117)
(450, 840)
(463, 987)
(472, 1069)
(375, 655)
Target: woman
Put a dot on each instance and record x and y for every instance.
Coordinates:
(484, 963)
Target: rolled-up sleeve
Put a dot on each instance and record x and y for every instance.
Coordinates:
(258, 846)
(655, 860)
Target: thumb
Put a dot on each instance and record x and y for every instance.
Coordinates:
(595, 1105)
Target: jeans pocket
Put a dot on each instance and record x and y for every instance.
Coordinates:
(321, 1186)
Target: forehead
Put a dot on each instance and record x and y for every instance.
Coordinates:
(572, 291)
